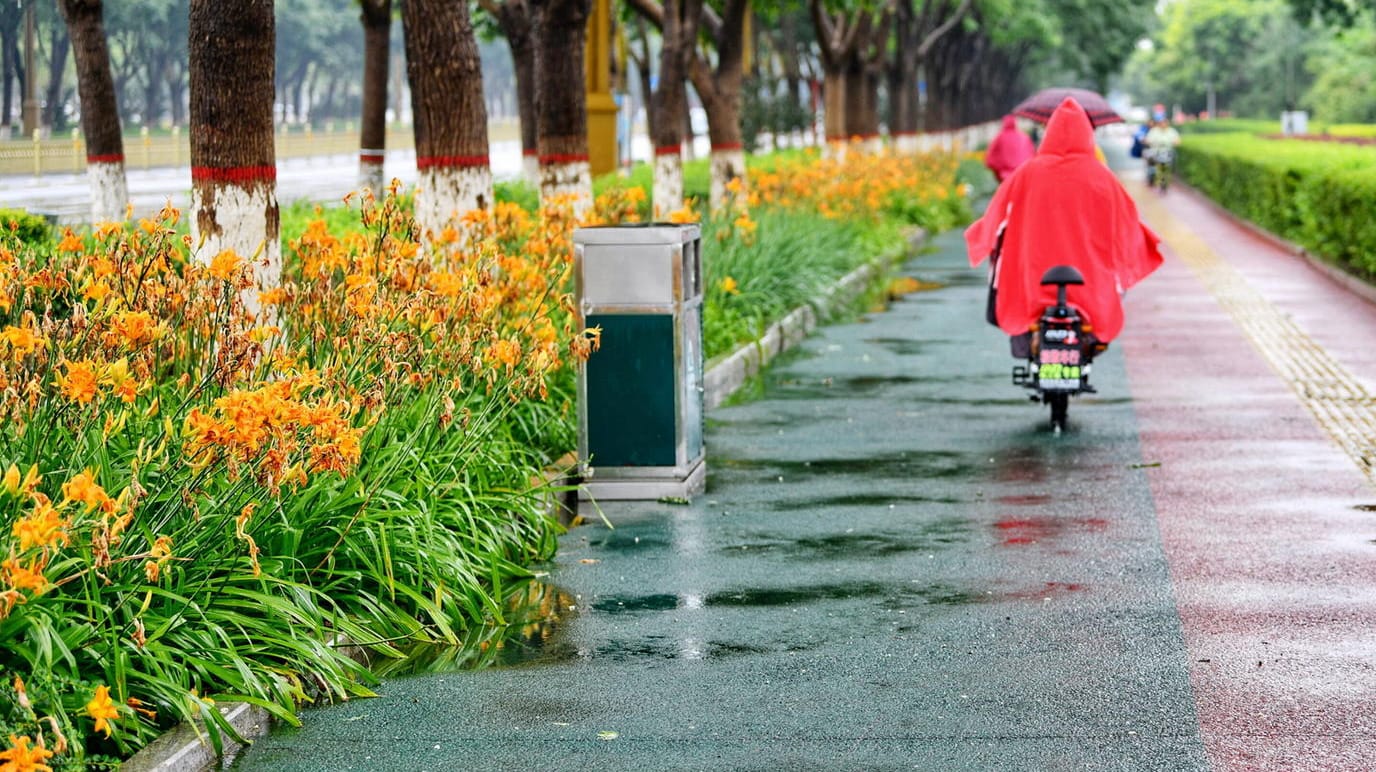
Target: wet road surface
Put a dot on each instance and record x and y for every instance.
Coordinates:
(896, 565)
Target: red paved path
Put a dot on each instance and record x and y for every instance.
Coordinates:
(1273, 566)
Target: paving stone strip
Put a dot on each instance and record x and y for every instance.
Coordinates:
(1335, 396)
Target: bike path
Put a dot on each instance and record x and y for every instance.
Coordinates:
(896, 565)
(1250, 371)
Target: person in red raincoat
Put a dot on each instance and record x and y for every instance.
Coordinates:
(1009, 150)
(1063, 207)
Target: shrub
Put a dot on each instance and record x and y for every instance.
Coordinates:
(18, 227)
(1320, 195)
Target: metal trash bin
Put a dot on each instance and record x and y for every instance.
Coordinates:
(640, 393)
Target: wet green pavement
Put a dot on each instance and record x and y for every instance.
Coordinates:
(896, 565)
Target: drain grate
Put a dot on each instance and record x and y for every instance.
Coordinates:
(1336, 397)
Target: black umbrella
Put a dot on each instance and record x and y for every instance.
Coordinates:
(1042, 104)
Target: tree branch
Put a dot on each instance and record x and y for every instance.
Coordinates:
(946, 26)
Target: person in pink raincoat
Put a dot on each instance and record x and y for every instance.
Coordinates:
(1009, 150)
(1063, 207)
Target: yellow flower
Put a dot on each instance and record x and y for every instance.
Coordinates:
(83, 488)
(79, 384)
(22, 341)
(96, 290)
(728, 285)
(21, 758)
(12, 480)
(25, 577)
(135, 327)
(225, 266)
(102, 709)
(161, 551)
(506, 352)
(70, 242)
(684, 215)
(44, 528)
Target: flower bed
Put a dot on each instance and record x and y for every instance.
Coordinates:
(196, 499)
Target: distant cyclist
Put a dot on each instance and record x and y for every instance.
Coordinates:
(1160, 144)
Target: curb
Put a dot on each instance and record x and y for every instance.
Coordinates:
(184, 749)
(729, 372)
(1335, 273)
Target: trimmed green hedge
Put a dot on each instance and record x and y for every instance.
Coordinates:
(20, 227)
(1319, 195)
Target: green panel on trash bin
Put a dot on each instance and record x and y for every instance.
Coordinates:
(630, 391)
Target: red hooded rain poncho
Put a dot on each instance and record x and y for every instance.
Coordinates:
(1009, 150)
(1064, 207)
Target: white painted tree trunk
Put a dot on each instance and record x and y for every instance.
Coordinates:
(446, 193)
(568, 178)
(244, 220)
(530, 167)
(370, 171)
(727, 165)
(907, 143)
(109, 190)
(668, 195)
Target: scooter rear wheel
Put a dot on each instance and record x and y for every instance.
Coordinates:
(1060, 404)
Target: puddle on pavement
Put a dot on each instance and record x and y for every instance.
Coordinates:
(1016, 531)
(900, 346)
(860, 500)
(1025, 500)
(626, 541)
(888, 595)
(915, 464)
(926, 537)
(536, 614)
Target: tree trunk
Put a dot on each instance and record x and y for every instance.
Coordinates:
(517, 20)
(450, 114)
(99, 113)
(720, 92)
(233, 161)
(176, 94)
(643, 67)
(155, 72)
(834, 105)
(9, 59)
(561, 100)
(678, 35)
(372, 145)
(58, 45)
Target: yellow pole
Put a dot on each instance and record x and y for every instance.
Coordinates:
(601, 104)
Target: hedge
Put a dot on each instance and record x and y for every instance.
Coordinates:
(1319, 195)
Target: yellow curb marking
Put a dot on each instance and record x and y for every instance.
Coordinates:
(1336, 397)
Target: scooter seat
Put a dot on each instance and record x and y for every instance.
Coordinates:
(1062, 274)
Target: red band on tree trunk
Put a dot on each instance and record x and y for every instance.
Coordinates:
(451, 161)
(669, 150)
(726, 146)
(237, 174)
(106, 158)
(530, 152)
(913, 133)
(563, 158)
(371, 158)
